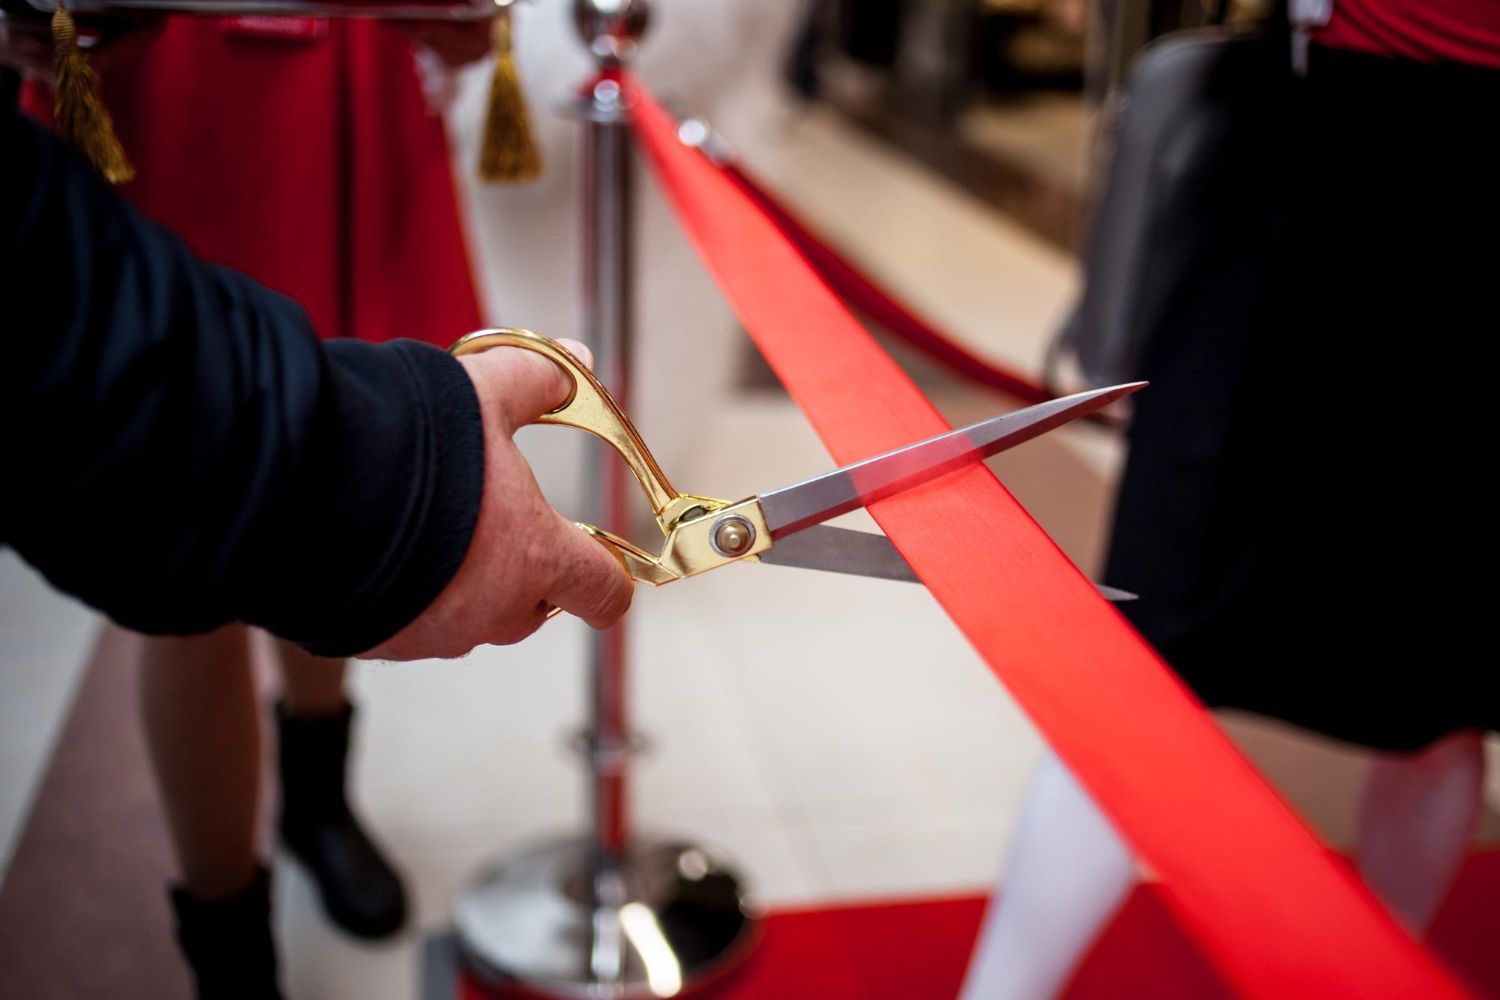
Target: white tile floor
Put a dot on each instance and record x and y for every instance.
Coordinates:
(44, 643)
(1047, 132)
(836, 735)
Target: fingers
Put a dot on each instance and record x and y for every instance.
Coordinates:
(590, 582)
(579, 350)
(524, 384)
(520, 625)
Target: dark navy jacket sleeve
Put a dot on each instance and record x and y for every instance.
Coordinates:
(178, 449)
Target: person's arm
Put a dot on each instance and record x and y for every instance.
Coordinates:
(180, 451)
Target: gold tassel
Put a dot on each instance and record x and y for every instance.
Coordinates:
(81, 116)
(507, 153)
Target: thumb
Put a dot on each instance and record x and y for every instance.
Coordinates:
(578, 349)
(591, 581)
(525, 384)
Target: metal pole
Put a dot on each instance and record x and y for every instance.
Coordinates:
(608, 915)
(608, 266)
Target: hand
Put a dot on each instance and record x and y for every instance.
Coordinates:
(524, 557)
(25, 44)
(111, 40)
(456, 43)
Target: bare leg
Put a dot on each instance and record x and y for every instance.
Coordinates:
(1067, 874)
(312, 686)
(198, 704)
(1416, 818)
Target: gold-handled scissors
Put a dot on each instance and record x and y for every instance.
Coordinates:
(782, 526)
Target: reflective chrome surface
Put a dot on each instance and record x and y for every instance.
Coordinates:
(669, 918)
(607, 188)
(611, 28)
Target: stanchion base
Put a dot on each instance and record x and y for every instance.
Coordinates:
(669, 918)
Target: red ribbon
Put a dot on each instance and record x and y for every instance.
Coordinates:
(1278, 916)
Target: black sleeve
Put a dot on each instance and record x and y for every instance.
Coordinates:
(180, 451)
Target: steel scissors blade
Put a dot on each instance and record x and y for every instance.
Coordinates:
(862, 553)
(703, 533)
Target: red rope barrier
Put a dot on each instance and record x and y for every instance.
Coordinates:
(1278, 916)
(884, 309)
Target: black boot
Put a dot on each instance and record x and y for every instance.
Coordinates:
(228, 944)
(361, 891)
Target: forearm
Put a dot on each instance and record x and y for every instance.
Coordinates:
(183, 452)
(383, 505)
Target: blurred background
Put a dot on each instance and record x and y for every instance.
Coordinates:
(836, 736)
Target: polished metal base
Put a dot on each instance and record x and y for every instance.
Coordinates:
(668, 919)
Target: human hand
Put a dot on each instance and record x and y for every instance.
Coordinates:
(112, 40)
(456, 43)
(25, 44)
(524, 557)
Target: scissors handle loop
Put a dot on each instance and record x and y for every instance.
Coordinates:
(684, 519)
(591, 408)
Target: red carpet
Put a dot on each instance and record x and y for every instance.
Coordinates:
(916, 950)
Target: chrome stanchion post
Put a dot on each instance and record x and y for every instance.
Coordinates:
(608, 264)
(607, 190)
(609, 915)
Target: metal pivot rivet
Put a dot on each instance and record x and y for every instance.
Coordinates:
(733, 535)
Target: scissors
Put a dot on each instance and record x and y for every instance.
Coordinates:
(782, 526)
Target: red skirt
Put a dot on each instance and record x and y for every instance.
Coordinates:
(302, 153)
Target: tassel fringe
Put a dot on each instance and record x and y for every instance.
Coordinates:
(81, 116)
(508, 153)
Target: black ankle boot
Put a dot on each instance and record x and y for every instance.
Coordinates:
(361, 891)
(228, 944)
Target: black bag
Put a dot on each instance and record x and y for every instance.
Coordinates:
(1195, 102)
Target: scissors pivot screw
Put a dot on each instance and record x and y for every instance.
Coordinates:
(733, 535)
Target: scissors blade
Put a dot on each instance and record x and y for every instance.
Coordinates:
(861, 553)
(841, 550)
(793, 508)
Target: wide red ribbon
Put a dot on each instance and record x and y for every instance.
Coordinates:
(1278, 916)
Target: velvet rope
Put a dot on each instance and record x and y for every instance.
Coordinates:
(1278, 916)
(882, 308)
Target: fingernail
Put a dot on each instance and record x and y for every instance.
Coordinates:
(578, 349)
